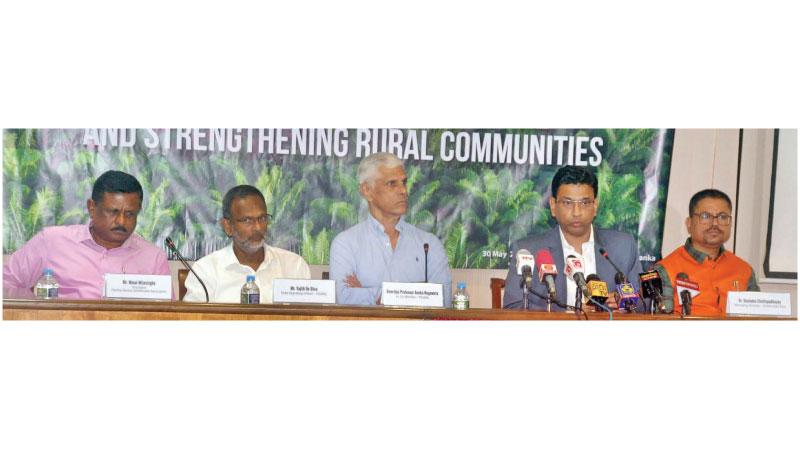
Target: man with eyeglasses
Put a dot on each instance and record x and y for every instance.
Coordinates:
(573, 204)
(245, 220)
(703, 257)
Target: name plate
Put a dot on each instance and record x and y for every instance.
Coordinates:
(121, 285)
(759, 304)
(285, 290)
(412, 294)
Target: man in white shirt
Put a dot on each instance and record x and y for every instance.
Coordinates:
(245, 220)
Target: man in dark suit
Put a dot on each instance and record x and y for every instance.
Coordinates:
(574, 206)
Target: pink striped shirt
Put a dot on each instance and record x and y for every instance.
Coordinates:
(78, 262)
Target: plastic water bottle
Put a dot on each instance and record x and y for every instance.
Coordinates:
(251, 295)
(47, 286)
(461, 298)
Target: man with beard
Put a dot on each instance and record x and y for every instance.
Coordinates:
(245, 220)
(703, 257)
(385, 247)
(80, 255)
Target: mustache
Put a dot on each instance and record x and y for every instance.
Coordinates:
(120, 228)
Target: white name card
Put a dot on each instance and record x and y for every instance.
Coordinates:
(759, 304)
(412, 294)
(285, 290)
(121, 285)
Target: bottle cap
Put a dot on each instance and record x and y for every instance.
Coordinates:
(46, 272)
(462, 285)
(251, 278)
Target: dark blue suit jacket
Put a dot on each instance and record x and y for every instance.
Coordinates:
(621, 248)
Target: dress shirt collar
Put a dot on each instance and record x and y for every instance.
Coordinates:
(566, 245)
(377, 226)
(229, 259)
(699, 256)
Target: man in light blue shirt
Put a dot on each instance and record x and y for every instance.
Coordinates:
(384, 247)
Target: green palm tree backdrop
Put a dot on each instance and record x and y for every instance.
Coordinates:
(476, 209)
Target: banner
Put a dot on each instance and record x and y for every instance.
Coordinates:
(478, 190)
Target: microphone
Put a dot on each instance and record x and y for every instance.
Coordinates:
(425, 248)
(627, 297)
(604, 253)
(525, 271)
(525, 263)
(686, 290)
(574, 269)
(652, 289)
(599, 290)
(171, 246)
(547, 274)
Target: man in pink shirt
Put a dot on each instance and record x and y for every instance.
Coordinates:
(80, 255)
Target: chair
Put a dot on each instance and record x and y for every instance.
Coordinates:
(497, 285)
(182, 274)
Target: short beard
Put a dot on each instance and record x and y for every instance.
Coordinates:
(250, 248)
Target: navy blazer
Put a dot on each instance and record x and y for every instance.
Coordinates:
(621, 248)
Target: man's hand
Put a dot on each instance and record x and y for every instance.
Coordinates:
(352, 281)
(612, 302)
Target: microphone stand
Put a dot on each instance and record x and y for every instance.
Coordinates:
(425, 248)
(171, 246)
(578, 301)
(525, 283)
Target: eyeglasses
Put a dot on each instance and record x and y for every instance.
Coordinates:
(250, 221)
(568, 204)
(707, 218)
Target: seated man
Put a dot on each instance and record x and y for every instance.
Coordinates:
(384, 247)
(80, 255)
(703, 258)
(245, 220)
(574, 206)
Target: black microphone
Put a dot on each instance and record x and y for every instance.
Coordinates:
(619, 273)
(685, 295)
(171, 246)
(652, 289)
(425, 247)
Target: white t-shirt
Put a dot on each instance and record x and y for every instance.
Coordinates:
(589, 263)
(224, 276)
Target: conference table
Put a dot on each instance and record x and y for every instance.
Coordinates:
(62, 309)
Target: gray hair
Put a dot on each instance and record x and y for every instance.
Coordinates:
(368, 169)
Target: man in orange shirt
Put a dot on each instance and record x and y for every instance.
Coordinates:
(704, 260)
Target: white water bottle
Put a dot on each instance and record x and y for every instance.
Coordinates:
(461, 298)
(251, 295)
(47, 286)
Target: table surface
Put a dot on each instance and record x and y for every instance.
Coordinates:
(31, 309)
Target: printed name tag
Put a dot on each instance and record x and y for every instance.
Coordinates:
(121, 285)
(412, 294)
(759, 304)
(286, 290)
